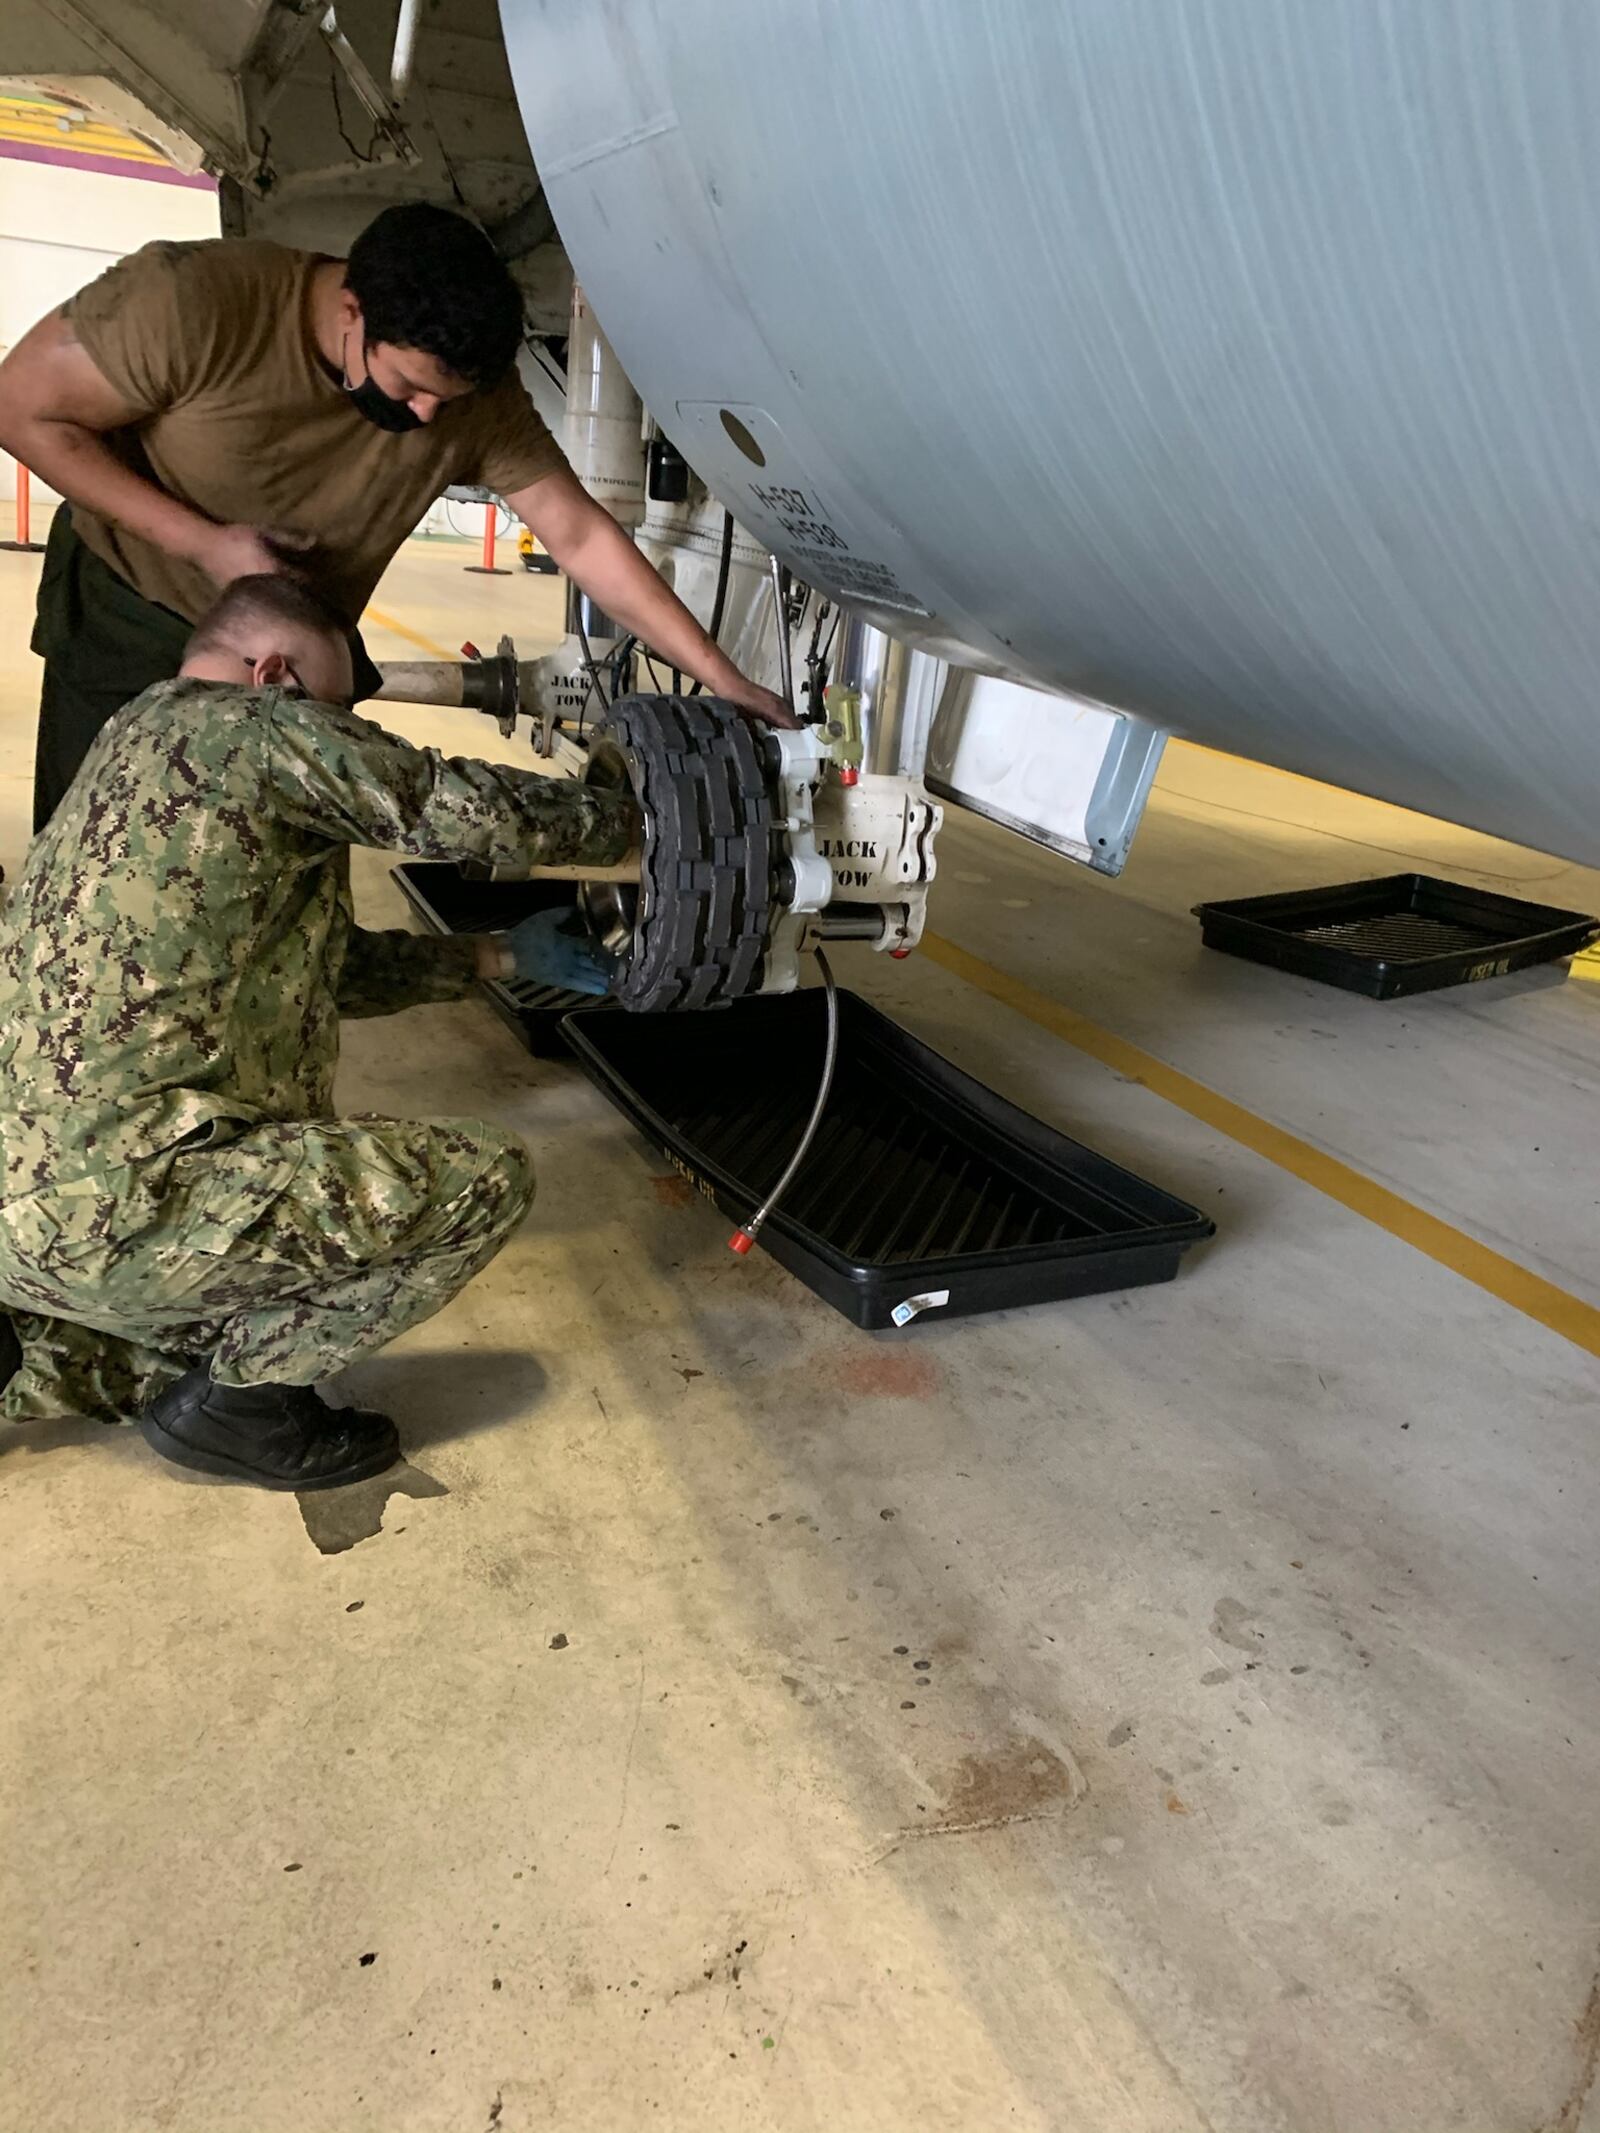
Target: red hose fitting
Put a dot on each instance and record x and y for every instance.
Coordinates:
(740, 1242)
(848, 774)
(470, 651)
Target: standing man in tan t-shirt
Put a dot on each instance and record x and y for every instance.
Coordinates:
(211, 411)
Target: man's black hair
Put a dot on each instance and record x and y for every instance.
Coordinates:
(269, 599)
(427, 279)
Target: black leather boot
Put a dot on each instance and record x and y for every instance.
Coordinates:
(278, 1436)
(10, 1351)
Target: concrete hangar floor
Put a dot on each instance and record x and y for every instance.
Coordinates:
(1173, 1710)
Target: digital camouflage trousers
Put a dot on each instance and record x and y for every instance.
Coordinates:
(279, 1256)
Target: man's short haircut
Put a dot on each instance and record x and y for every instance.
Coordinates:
(431, 280)
(268, 599)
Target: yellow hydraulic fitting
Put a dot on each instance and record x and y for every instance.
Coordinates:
(842, 702)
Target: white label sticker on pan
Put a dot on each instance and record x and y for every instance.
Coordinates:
(904, 1313)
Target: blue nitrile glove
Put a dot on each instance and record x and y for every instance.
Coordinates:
(553, 948)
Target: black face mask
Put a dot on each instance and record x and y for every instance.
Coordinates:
(381, 409)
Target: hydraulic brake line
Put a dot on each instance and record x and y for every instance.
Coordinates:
(780, 606)
(592, 672)
(719, 600)
(746, 1234)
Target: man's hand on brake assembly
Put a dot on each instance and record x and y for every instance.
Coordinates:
(763, 705)
(550, 948)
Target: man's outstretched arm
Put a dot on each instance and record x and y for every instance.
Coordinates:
(346, 779)
(589, 545)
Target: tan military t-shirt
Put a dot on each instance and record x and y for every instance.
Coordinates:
(238, 416)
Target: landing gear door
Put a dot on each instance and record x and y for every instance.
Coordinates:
(1068, 773)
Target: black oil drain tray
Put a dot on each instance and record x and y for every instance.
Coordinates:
(1398, 935)
(448, 901)
(925, 1194)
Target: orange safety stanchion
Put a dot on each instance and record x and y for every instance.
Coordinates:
(24, 528)
(488, 568)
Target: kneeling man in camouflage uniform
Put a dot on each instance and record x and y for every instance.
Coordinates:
(187, 1232)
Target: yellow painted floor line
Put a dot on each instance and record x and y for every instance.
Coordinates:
(1527, 1292)
(402, 629)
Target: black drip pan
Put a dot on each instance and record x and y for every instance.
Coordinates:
(923, 1192)
(1402, 934)
(448, 901)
